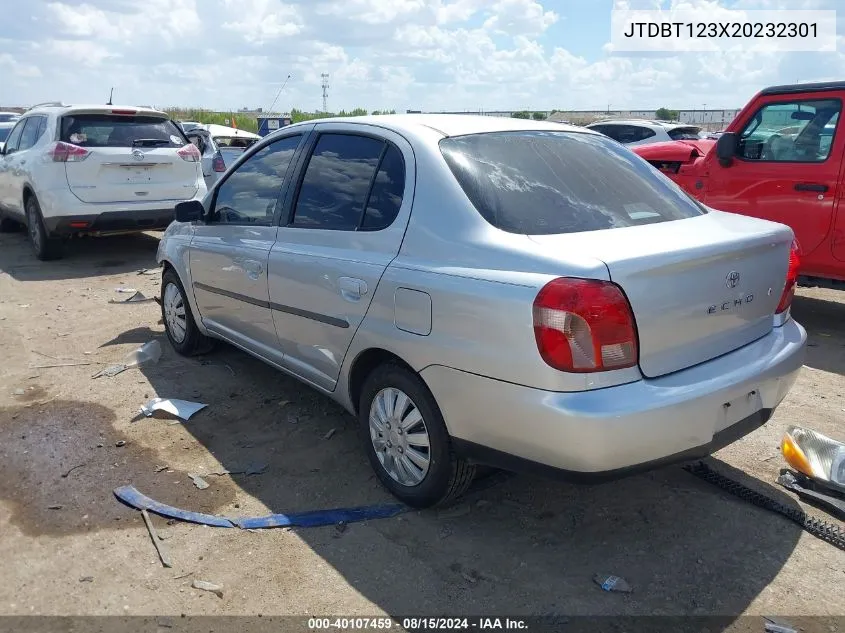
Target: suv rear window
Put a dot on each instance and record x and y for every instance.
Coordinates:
(113, 130)
(684, 134)
(540, 183)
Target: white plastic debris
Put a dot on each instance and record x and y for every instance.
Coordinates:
(180, 408)
(147, 353)
(138, 297)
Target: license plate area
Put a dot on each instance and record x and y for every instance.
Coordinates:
(138, 174)
(740, 408)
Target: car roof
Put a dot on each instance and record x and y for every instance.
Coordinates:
(667, 125)
(61, 108)
(451, 124)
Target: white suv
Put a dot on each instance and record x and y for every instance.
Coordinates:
(643, 132)
(68, 170)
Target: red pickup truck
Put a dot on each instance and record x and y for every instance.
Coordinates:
(780, 159)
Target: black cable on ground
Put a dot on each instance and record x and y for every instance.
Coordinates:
(833, 534)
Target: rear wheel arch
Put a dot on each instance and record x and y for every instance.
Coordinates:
(364, 364)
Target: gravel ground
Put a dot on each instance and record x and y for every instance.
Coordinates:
(521, 545)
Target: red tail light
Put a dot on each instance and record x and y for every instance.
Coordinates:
(62, 152)
(217, 164)
(125, 112)
(189, 153)
(791, 278)
(584, 325)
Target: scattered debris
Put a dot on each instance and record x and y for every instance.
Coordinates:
(182, 409)
(66, 474)
(138, 297)
(120, 443)
(776, 625)
(35, 351)
(161, 468)
(55, 507)
(19, 392)
(330, 434)
(283, 403)
(165, 623)
(199, 482)
(130, 496)
(612, 583)
(341, 527)
(185, 575)
(256, 468)
(87, 579)
(162, 554)
(23, 305)
(131, 291)
(149, 271)
(148, 353)
(208, 586)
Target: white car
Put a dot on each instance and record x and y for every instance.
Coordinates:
(643, 132)
(9, 117)
(94, 169)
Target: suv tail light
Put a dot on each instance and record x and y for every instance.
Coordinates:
(791, 278)
(584, 325)
(217, 163)
(62, 152)
(189, 153)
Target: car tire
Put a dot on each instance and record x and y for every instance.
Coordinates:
(179, 324)
(45, 247)
(394, 456)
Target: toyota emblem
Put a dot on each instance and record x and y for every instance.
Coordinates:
(732, 279)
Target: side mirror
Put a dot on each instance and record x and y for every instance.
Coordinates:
(726, 148)
(189, 211)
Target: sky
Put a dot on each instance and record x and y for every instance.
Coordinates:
(380, 54)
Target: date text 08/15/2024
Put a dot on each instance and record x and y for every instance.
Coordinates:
(418, 624)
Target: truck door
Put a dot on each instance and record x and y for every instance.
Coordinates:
(786, 167)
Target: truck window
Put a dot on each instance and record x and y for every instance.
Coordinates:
(793, 132)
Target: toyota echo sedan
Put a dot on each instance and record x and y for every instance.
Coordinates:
(481, 290)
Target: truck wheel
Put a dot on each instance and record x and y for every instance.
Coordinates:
(179, 324)
(406, 439)
(45, 247)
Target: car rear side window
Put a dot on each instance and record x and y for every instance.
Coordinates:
(338, 180)
(117, 130)
(684, 134)
(540, 183)
(386, 195)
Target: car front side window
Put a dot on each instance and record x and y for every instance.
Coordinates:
(14, 137)
(249, 195)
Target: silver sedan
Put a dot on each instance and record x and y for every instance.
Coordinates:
(481, 290)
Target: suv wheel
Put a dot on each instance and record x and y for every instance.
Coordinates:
(179, 324)
(45, 247)
(406, 439)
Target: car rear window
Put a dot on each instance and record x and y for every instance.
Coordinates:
(4, 132)
(540, 183)
(113, 130)
(684, 134)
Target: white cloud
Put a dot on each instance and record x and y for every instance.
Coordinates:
(419, 54)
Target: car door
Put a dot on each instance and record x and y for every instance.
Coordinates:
(782, 171)
(7, 197)
(229, 250)
(21, 160)
(345, 223)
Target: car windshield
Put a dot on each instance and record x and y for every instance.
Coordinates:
(540, 183)
(115, 130)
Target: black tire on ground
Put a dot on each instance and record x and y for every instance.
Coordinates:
(45, 247)
(193, 342)
(448, 475)
(8, 225)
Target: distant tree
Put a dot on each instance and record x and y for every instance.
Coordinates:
(523, 114)
(664, 114)
(539, 116)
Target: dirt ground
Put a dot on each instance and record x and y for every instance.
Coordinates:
(520, 546)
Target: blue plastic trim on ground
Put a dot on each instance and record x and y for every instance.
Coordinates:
(130, 496)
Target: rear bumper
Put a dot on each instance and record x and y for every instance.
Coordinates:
(110, 221)
(607, 433)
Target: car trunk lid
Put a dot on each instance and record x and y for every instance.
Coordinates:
(699, 287)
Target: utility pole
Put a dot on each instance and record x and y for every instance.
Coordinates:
(325, 78)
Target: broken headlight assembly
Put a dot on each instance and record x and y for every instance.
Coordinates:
(816, 456)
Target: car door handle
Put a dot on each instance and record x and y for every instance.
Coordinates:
(810, 186)
(352, 289)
